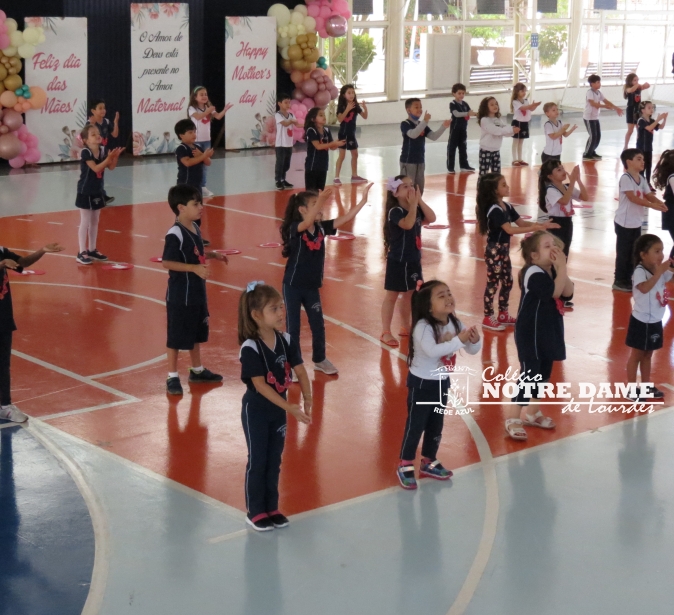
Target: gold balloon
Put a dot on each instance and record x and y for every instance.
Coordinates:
(302, 38)
(300, 65)
(313, 56)
(285, 65)
(16, 63)
(294, 52)
(3, 72)
(311, 39)
(13, 82)
(2, 88)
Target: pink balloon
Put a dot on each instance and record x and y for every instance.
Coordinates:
(25, 105)
(4, 130)
(320, 22)
(334, 92)
(313, 9)
(17, 162)
(340, 6)
(9, 146)
(298, 94)
(309, 87)
(308, 103)
(321, 87)
(325, 11)
(23, 129)
(316, 73)
(4, 41)
(23, 149)
(322, 98)
(12, 120)
(3, 15)
(33, 155)
(31, 140)
(336, 26)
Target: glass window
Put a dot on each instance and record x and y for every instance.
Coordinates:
(417, 55)
(553, 53)
(473, 14)
(562, 11)
(649, 56)
(370, 10)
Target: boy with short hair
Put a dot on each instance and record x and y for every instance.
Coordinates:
(635, 195)
(415, 130)
(186, 305)
(458, 130)
(555, 131)
(594, 101)
(105, 128)
(285, 121)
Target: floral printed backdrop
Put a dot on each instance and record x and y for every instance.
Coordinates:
(59, 67)
(250, 82)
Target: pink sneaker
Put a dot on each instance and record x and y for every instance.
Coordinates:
(337, 181)
(357, 179)
(489, 322)
(506, 319)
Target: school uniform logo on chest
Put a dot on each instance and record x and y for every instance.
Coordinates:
(664, 298)
(314, 244)
(201, 257)
(638, 193)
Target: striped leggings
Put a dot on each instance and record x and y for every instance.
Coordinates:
(594, 136)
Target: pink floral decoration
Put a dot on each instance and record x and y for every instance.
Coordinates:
(170, 8)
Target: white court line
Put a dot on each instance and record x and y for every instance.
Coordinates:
(143, 236)
(58, 223)
(365, 286)
(250, 258)
(276, 264)
(24, 219)
(119, 307)
(327, 277)
(109, 230)
(130, 368)
(58, 415)
(667, 386)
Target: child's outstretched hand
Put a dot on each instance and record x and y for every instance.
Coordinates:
(228, 106)
(324, 195)
(363, 198)
(53, 247)
(218, 256)
(474, 335)
(446, 123)
(427, 117)
(337, 144)
(465, 334)
(516, 129)
(296, 411)
(202, 271)
(574, 176)
(115, 153)
(117, 117)
(209, 152)
(8, 263)
(547, 225)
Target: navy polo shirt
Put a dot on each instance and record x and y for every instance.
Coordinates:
(645, 137)
(185, 246)
(404, 244)
(192, 176)
(317, 159)
(459, 124)
(105, 128)
(6, 309)
(306, 260)
(496, 218)
(90, 183)
(414, 150)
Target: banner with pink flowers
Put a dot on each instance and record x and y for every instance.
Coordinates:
(59, 67)
(250, 82)
(160, 74)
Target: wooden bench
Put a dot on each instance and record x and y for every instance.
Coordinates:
(611, 70)
(495, 74)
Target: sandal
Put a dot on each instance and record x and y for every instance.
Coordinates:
(538, 420)
(403, 332)
(406, 477)
(515, 429)
(392, 342)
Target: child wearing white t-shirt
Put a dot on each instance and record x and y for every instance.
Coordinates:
(285, 121)
(644, 334)
(634, 196)
(594, 101)
(555, 131)
(522, 110)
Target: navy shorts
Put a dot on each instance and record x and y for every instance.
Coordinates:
(90, 201)
(350, 139)
(187, 325)
(524, 129)
(401, 277)
(644, 335)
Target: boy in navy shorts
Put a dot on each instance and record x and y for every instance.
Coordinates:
(415, 130)
(106, 128)
(186, 304)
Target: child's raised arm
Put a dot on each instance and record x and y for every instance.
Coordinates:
(568, 132)
(115, 126)
(363, 110)
(27, 261)
(429, 214)
(219, 116)
(351, 214)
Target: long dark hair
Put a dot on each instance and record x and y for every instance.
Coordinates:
(342, 102)
(483, 109)
(254, 300)
(421, 310)
(193, 97)
(515, 95)
(664, 169)
(544, 181)
(310, 119)
(292, 214)
(628, 83)
(391, 202)
(644, 244)
(487, 195)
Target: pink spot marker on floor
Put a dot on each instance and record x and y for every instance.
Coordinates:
(525, 217)
(117, 267)
(29, 272)
(156, 259)
(341, 237)
(436, 227)
(272, 244)
(228, 252)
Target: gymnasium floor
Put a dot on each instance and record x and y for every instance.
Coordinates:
(117, 499)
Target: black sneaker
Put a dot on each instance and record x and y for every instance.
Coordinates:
(280, 186)
(264, 524)
(596, 156)
(468, 169)
(109, 199)
(205, 375)
(173, 386)
(623, 288)
(83, 259)
(279, 520)
(96, 255)
(589, 157)
(568, 304)
(287, 184)
(451, 172)
(205, 242)
(656, 393)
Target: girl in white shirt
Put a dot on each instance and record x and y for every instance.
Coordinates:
(201, 111)
(437, 335)
(650, 294)
(492, 130)
(522, 109)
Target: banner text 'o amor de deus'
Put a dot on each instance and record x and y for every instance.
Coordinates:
(160, 74)
(59, 67)
(250, 81)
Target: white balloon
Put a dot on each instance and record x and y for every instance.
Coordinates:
(282, 41)
(281, 12)
(10, 52)
(26, 51)
(293, 40)
(16, 38)
(296, 18)
(292, 30)
(284, 53)
(301, 29)
(283, 31)
(301, 8)
(309, 24)
(31, 36)
(12, 26)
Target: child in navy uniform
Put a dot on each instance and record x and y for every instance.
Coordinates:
(10, 260)
(632, 93)
(646, 125)
(267, 357)
(458, 130)
(404, 213)
(663, 178)
(415, 131)
(644, 333)
(539, 331)
(105, 127)
(319, 141)
(303, 232)
(186, 305)
(90, 194)
(437, 335)
(348, 110)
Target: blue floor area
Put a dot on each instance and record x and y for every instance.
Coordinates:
(46, 535)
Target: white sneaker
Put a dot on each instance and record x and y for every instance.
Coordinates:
(12, 413)
(326, 367)
(206, 192)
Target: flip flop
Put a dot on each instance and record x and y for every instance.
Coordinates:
(393, 342)
(538, 420)
(403, 332)
(515, 430)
